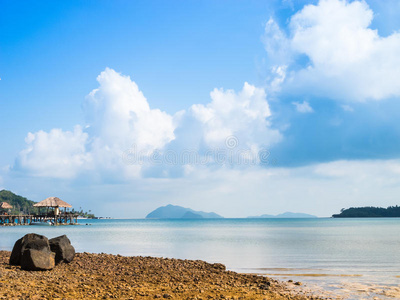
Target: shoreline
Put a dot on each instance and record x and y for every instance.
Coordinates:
(107, 276)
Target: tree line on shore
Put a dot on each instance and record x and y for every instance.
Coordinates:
(369, 212)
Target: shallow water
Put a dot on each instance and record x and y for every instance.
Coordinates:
(351, 258)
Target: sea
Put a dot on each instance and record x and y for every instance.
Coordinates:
(337, 258)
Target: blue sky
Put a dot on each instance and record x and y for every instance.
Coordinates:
(100, 101)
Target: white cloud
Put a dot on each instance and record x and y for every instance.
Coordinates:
(278, 77)
(119, 118)
(58, 154)
(303, 107)
(243, 115)
(348, 59)
(119, 115)
(277, 44)
(122, 133)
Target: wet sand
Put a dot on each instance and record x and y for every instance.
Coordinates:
(105, 276)
(344, 286)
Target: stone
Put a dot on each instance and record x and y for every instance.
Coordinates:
(265, 287)
(219, 266)
(63, 249)
(28, 241)
(37, 260)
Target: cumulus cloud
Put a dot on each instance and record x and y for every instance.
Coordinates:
(119, 115)
(347, 59)
(243, 115)
(123, 136)
(58, 154)
(303, 107)
(277, 44)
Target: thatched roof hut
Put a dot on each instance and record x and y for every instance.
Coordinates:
(5, 205)
(52, 202)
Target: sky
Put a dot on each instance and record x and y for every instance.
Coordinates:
(237, 107)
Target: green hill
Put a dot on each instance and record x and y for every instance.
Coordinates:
(20, 204)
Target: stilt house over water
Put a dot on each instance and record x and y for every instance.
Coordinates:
(53, 215)
(54, 204)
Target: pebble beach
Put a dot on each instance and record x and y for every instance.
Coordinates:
(106, 276)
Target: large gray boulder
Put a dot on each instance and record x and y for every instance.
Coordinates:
(63, 249)
(29, 241)
(37, 260)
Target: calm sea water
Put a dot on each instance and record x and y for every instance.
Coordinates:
(337, 254)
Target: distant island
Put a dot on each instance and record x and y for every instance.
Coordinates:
(179, 212)
(286, 215)
(369, 212)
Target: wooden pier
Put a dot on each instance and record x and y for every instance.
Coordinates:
(64, 218)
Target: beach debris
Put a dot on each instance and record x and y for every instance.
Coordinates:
(34, 252)
(62, 248)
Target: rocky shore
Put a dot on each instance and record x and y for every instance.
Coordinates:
(105, 276)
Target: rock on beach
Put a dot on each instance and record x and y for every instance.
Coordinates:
(28, 241)
(34, 252)
(62, 248)
(37, 260)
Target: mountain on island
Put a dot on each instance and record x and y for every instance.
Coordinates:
(369, 212)
(179, 212)
(286, 215)
(191, 215)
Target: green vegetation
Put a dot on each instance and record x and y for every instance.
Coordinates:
(19, 203)
(369, 212)
(86, 214)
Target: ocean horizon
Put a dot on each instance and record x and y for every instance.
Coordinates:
(344, 257)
